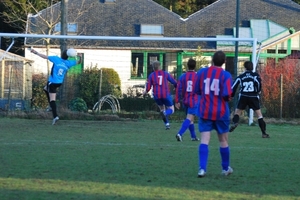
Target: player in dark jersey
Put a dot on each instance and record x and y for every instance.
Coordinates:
(214, 87)
(250, 88)
(158, 81)
(185, 94)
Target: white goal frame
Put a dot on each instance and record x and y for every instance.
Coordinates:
(196, 39)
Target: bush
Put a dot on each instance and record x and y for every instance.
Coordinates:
(78, 104)
(281, 78)
(111, 83)
(89, 82)
(131, 104)
(39, 99)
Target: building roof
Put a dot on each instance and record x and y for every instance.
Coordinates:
(12, 57)
(124, 18)
(220, 17)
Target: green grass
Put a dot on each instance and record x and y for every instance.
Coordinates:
(141, 160)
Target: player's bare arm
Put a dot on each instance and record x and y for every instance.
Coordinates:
(39, 54)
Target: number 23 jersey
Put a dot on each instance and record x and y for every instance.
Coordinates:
(249, 82)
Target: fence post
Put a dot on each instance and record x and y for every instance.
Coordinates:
(281, 95)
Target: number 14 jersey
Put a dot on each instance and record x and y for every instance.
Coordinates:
(214, 86)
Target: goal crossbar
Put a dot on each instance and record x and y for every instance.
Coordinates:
(85, 37)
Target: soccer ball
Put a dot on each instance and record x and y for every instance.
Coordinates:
(71, 52)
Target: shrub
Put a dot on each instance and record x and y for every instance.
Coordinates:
(287, 70)
(89, 82)
(131, 104)
(111, 83)
(78, 104)
(89, 85)
(39, 99)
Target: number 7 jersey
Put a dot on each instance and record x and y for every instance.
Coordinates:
(158, 80)
(214, 87)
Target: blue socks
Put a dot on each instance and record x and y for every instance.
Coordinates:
(192, 130)
(185, 125)
(203, 156)
(168, 112)
(225, 154)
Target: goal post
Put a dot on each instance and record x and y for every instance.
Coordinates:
(141, 75)
(190, 39)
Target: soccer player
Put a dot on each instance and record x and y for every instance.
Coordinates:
(158, 81)
(250, 88)
(214, 87)
(185, 93)
(59, 69)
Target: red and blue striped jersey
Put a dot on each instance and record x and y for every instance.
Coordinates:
(158, 80)
(185, 90)
(214, 87)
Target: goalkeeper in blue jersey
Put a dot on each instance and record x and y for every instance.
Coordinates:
(58, 71)
(214, 87)
(185, 94)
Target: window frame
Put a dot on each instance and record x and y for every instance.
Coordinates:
(70, 31)
(151, 30)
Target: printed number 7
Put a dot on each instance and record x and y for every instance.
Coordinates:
(213, 86)
(159, 80)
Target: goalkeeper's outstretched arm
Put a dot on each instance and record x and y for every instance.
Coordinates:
(39, 54)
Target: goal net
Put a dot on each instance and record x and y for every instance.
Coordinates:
(130, 57)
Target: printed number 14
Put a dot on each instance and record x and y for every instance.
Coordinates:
(213, 86)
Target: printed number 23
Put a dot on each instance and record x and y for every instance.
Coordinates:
(213, 86)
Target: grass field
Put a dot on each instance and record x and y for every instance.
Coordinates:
(140, 160)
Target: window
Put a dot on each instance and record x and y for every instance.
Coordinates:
(107, 1)
(282, 51)
(72, 28)
(152, 29)
(137, 65)
(271, 51)
(141, 64)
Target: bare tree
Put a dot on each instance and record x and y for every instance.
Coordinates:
(41, 17)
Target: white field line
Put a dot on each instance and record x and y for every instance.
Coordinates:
(75, 143)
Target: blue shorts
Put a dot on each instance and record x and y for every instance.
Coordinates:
(164, 101)
(221, 126)
(192, 111)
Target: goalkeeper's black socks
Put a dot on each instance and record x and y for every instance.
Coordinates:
(53, 106)
(47, 94)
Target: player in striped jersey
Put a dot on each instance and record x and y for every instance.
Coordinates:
(185, 94)
(214, 87)
(159, 80)
(250, 88)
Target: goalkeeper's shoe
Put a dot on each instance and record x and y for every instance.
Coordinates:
(48, 109)
(233, 127)
(264, 135)
(55, 120)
